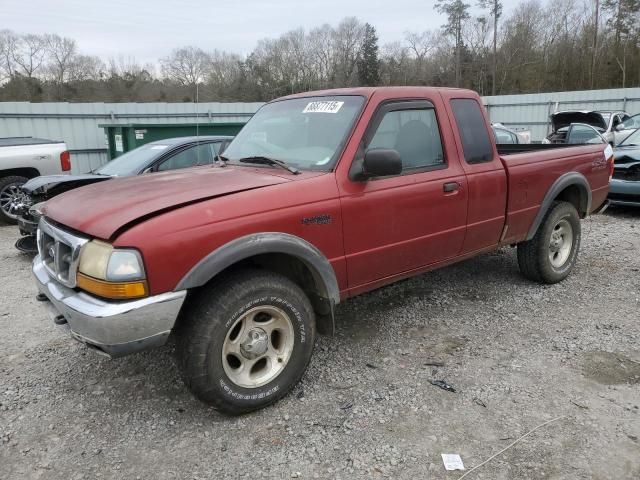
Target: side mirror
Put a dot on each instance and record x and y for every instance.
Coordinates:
(619, 127)
(380, 162)
(148, 170)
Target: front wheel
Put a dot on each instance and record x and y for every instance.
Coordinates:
(245, 341)
(551, 254)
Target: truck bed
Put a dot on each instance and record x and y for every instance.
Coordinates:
(532, 171)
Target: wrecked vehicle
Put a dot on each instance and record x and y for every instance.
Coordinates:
(604, 122)
(625, 184)
(158, 156)
(322, 196)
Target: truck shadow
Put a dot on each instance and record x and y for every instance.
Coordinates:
(623, 212)
(418, 300)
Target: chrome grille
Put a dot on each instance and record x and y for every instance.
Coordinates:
(60, 252)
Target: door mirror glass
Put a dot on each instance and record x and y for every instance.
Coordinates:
(381, 162)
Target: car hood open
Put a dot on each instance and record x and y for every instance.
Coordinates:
(564, 119)
(103, 209)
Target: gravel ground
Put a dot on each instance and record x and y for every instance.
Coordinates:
(518, 354)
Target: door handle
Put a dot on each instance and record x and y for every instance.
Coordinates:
(450, 187)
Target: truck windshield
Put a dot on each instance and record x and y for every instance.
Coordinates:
(133, 162)
(306, 133)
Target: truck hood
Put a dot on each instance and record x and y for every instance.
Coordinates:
(564, 119)
(51, 185)
(103, 209)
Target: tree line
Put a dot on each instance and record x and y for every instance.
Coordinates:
(554, 46)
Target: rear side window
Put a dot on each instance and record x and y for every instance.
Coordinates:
(476, 144)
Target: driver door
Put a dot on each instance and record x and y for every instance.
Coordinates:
(400, 223)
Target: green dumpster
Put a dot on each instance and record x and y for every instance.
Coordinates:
(124, 137)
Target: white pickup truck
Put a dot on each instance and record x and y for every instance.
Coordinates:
(22, 158)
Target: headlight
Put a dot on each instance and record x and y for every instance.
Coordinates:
(111, 272)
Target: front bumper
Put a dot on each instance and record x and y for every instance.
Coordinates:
(624, 192)
(112, 328)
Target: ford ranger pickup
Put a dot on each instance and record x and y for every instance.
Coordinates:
(321, 196)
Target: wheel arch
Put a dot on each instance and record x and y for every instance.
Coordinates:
(28, 172)
(571, 187)
(282, 253)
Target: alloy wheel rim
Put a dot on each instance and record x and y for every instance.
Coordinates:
(560, 243)
(258, 346)
(11, 199)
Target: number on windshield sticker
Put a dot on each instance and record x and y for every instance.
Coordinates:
(323, 107)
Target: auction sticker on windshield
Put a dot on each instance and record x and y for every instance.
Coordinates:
(323, 107)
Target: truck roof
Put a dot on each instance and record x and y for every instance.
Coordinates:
(17, 141)
(369, 91)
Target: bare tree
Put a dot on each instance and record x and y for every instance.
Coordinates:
(61, 54)
(348, 37)
(29, 54)
(8, 45)
(186, 65)
(420, 46)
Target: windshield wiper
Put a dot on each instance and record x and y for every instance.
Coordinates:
(259, 159)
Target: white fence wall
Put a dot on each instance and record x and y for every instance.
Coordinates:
(531, 111)
(77, 123)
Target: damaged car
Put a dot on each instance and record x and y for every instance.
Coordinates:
(158, 156)
(624, 188)
(605, 122)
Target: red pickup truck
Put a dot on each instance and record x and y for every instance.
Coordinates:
(322, 196)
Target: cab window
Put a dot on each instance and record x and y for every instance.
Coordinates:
(414, 134)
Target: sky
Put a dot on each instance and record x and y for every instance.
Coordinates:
(149, 29)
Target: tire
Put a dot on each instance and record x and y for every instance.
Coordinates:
(233, 315)
(549, 257)
(8, 195)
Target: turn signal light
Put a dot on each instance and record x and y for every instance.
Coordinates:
(112, 290)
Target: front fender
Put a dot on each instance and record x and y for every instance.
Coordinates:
(263, 243)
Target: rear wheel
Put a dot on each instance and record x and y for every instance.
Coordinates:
(12, 198)
(245, 341)
(551, 254)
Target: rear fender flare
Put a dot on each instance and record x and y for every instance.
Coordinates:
(567, 180)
